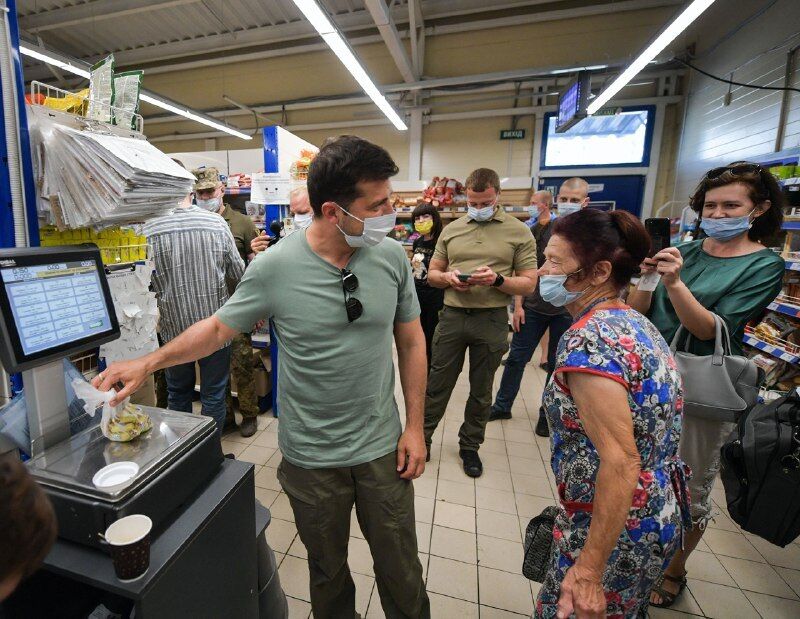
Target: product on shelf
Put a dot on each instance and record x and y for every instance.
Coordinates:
(299, 169)
(76, 103)
(101, 90)
(443, 192)
(127, 86)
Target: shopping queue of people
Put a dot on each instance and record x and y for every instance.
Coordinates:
(620, 443)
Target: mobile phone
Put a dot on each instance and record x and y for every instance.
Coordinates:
(464, 276)
(658, 230)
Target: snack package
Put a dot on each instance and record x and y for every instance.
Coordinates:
(121, 423)
(126, 98)
(101, 90)
(74, 103)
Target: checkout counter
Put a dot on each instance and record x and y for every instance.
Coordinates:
(209, 556)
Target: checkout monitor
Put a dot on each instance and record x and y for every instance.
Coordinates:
(55, 302)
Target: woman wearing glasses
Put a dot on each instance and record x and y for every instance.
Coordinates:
(731, 273)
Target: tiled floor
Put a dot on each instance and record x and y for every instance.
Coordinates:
(470, 531)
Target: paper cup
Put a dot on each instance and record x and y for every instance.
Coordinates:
(129, 540)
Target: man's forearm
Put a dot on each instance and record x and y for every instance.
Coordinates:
(522, 286)
(613, 496)
(198, 341)
(436, 279)
(412, 362)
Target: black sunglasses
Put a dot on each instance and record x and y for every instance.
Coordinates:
(736, 169)
(351, 304)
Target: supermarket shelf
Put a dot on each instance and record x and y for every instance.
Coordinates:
(785, 182)
(791, 225)
(785, 308)
(793, 265)
(753, 341)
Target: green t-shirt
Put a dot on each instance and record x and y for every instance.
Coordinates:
(736, 289)
(335, 378)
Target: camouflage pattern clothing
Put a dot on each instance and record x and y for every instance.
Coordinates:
(242, 372)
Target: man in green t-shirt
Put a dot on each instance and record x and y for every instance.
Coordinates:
(339, 293)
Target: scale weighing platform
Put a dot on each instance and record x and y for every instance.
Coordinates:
(55, 302)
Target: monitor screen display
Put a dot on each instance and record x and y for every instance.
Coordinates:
(56, 304)
(572, 102)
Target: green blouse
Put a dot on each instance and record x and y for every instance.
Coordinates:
(736, 289)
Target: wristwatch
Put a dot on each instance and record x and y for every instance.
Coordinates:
(499, 281)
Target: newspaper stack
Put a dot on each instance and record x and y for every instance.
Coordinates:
(89, 178)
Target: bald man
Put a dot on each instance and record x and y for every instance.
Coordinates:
(299, 207)
(573, 195)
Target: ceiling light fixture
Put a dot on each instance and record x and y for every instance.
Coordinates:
(692, 12)
(71, 66)
(331, 35)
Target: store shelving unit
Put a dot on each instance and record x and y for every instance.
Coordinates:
(775, 350)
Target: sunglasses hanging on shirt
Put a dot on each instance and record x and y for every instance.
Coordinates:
(351, 304)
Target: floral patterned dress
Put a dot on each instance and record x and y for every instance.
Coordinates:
(621, 344)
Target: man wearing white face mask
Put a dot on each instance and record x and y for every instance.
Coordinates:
(299, 207)
(339, 294)
(481, 260)
(573, 195)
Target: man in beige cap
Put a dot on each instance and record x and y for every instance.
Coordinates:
(209, 194)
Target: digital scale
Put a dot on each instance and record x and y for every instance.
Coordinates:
(55, 302)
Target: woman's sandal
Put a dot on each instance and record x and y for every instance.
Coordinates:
(667, 597)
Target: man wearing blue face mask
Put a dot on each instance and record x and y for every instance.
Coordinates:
(573, 195)
(481, 260)
(340, 293)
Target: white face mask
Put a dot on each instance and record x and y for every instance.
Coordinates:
(567, 208)
(303, 220)
(212, 204)
(375, 229)
(481, 214)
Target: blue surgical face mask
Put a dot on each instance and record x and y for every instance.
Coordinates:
(726, 228)
(533, 212)
(481, 214)
(567, 208)
(552, 290)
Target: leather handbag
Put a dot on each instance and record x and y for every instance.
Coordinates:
(539, 544)
(720, 386)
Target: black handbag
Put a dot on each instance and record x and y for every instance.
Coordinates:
(539, 544)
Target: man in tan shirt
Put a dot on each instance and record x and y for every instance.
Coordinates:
(482, 260)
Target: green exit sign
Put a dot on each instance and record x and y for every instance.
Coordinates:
(512, 134)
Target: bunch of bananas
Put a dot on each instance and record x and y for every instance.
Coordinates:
(127, 424)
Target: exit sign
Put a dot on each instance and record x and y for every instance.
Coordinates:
(512, 134)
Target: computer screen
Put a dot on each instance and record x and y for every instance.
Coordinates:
(54, 303)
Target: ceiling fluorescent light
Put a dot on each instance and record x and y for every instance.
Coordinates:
(340, 47)
(181, 111)
(594, 67)
(52, 60)
(692, 12)
(65, 65)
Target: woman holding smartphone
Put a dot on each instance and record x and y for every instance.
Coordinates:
(428, 224)
(730, 273)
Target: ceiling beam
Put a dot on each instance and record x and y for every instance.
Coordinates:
(299, 30)
(92, 11)
(383, 20)
(416, 32)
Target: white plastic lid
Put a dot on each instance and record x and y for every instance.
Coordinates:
(117, 474)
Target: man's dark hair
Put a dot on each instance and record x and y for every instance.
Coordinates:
(340, 165)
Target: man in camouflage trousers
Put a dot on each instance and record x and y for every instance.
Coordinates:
(209, 194)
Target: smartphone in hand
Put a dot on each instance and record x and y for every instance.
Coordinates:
(659, 232)
(464, 277)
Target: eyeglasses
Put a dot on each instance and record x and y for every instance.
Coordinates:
(737, 170)
(352, 305)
